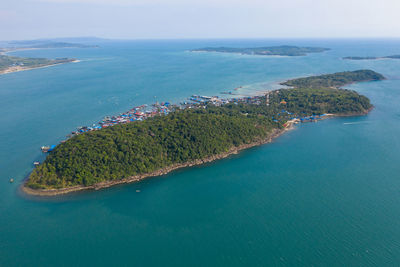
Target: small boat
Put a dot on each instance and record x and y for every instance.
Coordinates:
(45, 149)
(11, 180)
(36, 163)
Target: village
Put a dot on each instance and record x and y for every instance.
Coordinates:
(144, 112)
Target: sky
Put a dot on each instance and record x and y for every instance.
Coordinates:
(187, 19)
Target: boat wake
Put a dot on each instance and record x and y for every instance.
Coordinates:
(356, 122)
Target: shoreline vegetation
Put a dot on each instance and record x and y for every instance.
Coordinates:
(192, 135)
(284, 50)
(234, 150)
(19, 64)
(10, 64)
(335, 80)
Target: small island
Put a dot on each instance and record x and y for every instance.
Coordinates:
(283, 50)
(372, 58)
(173, 136)
(335, 80)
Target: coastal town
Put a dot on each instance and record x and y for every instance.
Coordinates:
(201, 129)
(143, 112)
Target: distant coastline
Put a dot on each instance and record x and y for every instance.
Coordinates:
(10, 64)
(283, 50)
(18, 68)
(372, 58)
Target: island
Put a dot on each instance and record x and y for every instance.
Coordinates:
(45, 44)
(335, 80)
(10, 64)
(372, 58)
(283, 50)
(128, 148)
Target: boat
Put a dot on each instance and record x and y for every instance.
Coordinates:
(11, 180)
(36, 163)
(45, 149)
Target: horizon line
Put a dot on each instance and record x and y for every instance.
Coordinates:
(203, 38)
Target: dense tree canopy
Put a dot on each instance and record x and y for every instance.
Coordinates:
(320, 101)
(335, 80)
(184, 135)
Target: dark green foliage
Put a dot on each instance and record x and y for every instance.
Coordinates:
(320, 101)
(141, 147)
(335, 80)
(284, 50)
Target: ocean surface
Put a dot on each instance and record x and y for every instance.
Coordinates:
(324, 194)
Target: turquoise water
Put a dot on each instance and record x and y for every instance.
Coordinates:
(326, 193)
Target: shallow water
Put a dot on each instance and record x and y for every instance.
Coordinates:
(326, 193)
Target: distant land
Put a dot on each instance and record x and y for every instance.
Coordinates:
(284, 50)
(25, 45)
(57, 42)
(335, 80)
(136, 145)
(80, 40)
(10, 64)
(373, 58)
(59, 45)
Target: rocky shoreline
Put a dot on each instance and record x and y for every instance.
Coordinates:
(234, 150)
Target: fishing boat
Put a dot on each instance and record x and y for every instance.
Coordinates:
(45, 149)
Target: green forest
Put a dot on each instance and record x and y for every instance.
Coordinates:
(183, 135)
(324, 100)
(335, 80)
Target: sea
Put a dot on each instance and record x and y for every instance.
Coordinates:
(323, 194)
